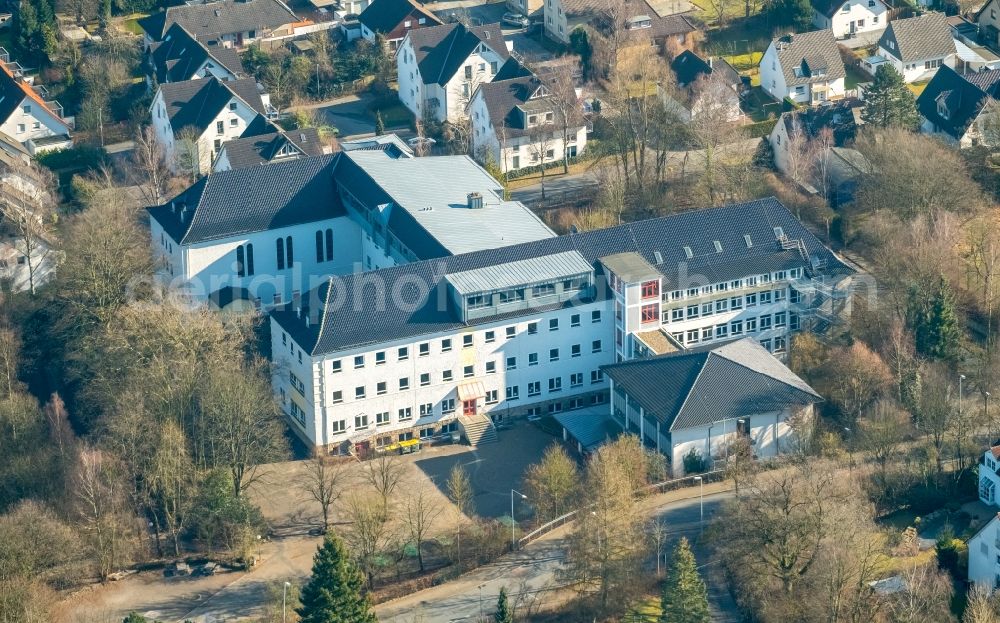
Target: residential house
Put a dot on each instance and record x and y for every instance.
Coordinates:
(916, 47)
(180, 56)
(251, 151)
(516, 121)
(984, 555)
(988, 20)
(392, 19)
(989, 476)
(847, 18)
(805, 67)
(704, 84)
(439, 67)
(970, 53)
(642, 22)
(525, 329)
(263, 235)
(528, 8)
(226, 23)
(29, 118)
(201, 115)
(961, 109)
(26, 187)
(701, 401)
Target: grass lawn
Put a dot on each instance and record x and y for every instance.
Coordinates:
(131, 24)
(917, 88)
(534, 178)
(646, 611)
(395, 116)
(732, 10)
(762, 105)
(744, 62)
(739, 37)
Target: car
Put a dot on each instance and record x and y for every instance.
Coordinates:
(421, 141)
(516, 20)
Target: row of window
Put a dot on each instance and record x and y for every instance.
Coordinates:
(735, 303)
(736, 284)
(468, 341)
(736, 328)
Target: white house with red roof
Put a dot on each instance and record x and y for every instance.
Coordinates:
(26, 116)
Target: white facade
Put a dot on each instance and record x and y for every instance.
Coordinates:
(515, 152)
(984, 556)
(229, 124)
(922, 69)
(447, 102)
(989, 479)
(854, 16)
(773, 80)
(204, 268)
(557, 24)
(32, 121)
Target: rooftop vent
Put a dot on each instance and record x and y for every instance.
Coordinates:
(688, 252)
(475, 201)
(779, 233)
(718, 246)
(658, 256)
(746, 239)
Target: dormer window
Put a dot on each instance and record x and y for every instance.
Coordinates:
(942, 108)
(847, 7)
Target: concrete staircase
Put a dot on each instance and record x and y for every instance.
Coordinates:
(478, 429)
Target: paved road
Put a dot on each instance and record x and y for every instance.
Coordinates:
(349, 114)
(535, 570)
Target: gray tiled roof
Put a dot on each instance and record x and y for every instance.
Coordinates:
(963, 97)
(358, 319)
(442, 50)
(196, 103)
(926, 36)
(709, 384)
(792, 50)
(255, 150)
(590, 427)
(383, 16)
(179, 55)
(219, 18)
(503, 97)
(534, 270)
(243, 201)
(428, 199)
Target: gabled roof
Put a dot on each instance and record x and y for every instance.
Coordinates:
(505, 98)
(346, 314)
(688, 67)
(244, 201)
(383, 16)
(13, 91)
(700, 386)
(442, 50)
(809, 57)
(389, 143)
(179, 56)
(196, 103)
(830, 8)
(960, 98)
(512, 68)
(265, 148)
(219, 18)
(918, 38)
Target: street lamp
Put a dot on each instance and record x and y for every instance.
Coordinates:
(961, 424)
(986, 412)
(701, 503)
(481, 601)
(513, 523)
(850, 450)
(284, 594)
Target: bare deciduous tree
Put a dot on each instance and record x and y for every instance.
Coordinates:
(421, 513)
(460, 490)
(323, 482)
(31, 217)
(384, 473)
(108, 529)
(149, 166)
(370, 532)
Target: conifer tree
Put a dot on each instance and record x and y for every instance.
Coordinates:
(379, 124)
(685, 599)
(334, 592)
(934, 321)
(889, 102)
(503, 614)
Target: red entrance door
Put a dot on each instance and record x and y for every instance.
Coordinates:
(469, 407)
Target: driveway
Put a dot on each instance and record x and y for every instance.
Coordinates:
(534, 570)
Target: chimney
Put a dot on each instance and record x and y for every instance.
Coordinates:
(710, 63)
(475, 201)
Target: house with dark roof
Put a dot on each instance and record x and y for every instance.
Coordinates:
(703, 86)
(916, 47)
(193, 119)
(439, 68)
(701, 401)
(392, 19)
(642, 23)
(445, 345)
(180, 56)
(251, 151)
(27, 116)
(226, 23)
(516, 123)
(960, 109)
(848, 18)
(988, 20)
(804, 67)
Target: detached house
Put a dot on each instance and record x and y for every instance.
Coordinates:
(701, 400)
(180, 57)
(642, 22)
(514, 121)
(847, 18)
(915, 46)
(704, 84)
(36, 123)
(227, 23)
(984, 554)
(955, 107)
(988, 20)
(440, 67)
(203, 114)
(804, 67)
(392, 19)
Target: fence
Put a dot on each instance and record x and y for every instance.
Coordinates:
(660, 487)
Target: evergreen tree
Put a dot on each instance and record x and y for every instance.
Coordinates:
(503, 614)
(934, 321)
(685, 599)
(889, 102)
(104, 17)
(379, 124)
(333, 594)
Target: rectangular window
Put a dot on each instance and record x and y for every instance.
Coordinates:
(751, 325)
(574, 320)
(532, 328)
(596, 376)
(779, 344)
(468, 371)
(553, 354)
(692, 336)
(220, 127)
(765, 322)
(234, 122)
(513, 392)
(546, 289)
(491, 367)
(534, 388)
(707, 333)
(359, 362)
(793, 322)
(511, 296)
(446, 376)
(361, 421)
(650, 313)
(532, 359)
(677, 315)
(511, 363)
(555, 384)
(511, 332)
(736, 303)
(766, 343)
(751, 300)
(491, 336)
(595, 346)
(425, 379)
(424, 349)
(337, 396)
(338, 426)
(576, 379)
(445, 345)
(721, 305)
(765, 298)
(448, 405)
(467, 341)
(779, 295)
(405, 414)
(492, 397)
(426, 409)
(335, 366)
(403, 353)
(779, 320)
(380, 358)
(651, 289)
(707, 308)
(297, 384)
(382, 419)
(721, 330)
(478, 301)
(595, 316)
(736, 327)
(555, 407)
(692, 311)
(553, 324)
(575, 350)
(404, 383)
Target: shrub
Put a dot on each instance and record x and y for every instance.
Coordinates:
(694, 462)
